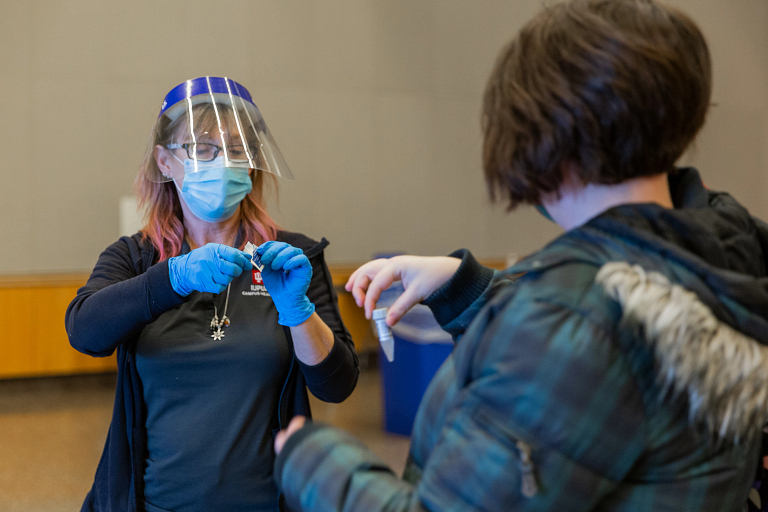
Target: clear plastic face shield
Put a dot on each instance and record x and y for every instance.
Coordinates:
(213, 119)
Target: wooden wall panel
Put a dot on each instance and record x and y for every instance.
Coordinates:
(17, 347)
(34, 341)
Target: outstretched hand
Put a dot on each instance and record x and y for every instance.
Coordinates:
(421, 276)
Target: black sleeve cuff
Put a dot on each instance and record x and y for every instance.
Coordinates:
(460, 291)
(334, 378)
(296, 438)
(162, 296)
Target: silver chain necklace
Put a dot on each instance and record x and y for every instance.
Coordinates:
(217, 324)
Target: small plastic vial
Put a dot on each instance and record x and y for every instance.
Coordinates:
(384, 333)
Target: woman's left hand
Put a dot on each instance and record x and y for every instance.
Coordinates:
(287, 273)
(282, 437)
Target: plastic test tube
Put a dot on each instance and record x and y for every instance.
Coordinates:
(384, 333)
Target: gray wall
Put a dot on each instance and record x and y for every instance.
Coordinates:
(374, 103)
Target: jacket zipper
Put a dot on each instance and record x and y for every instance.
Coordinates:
(529, 486)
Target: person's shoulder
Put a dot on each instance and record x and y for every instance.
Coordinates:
(310, 246)
(136, 248)
(127, 243)
(558, 281)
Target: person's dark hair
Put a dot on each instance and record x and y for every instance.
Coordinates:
(616, 89)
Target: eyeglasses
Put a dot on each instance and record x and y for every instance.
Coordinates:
(205, 152)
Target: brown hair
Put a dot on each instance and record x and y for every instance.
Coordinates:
(163, 223)
(618, 88)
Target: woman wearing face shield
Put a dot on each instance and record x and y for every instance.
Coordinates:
(214, 353)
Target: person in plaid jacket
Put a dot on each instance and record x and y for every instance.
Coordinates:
(622, 367)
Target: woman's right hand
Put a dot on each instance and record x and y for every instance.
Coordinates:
(421, 276)
(209, 268)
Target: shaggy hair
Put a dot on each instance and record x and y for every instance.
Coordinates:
(722, 372)
(616, 89)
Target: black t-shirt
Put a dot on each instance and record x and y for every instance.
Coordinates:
(212, 404)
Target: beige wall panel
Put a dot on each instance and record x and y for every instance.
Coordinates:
(68, 41)
(403, 46)
(14, 38)
(16, 190)
(260, 43)
(375, 104)
(468, 37)
(737, 35)
(293, 117)
(401, 191)
(73, 185)
(459, 208)
(340, 179)
(17, 198)
(728, 148)
(342, 45)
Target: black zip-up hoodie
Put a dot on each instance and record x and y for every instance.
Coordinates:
(126, 291)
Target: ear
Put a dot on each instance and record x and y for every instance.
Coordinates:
(162, 155)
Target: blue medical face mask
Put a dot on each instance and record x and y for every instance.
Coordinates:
(213, 191)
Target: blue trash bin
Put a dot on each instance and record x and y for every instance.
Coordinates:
(421, 346)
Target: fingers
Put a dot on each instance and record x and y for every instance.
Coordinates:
(236, 256)
(359, 288)
(220, 278)
(400, 307)
(383, 280)
(228, 269)
(266, 245)
(218, 288)
(296, 262)
(284, 255)
(272, 246)
(351, 281)
(269, 251)
(248, 262)
(216, 282)
(358, 282)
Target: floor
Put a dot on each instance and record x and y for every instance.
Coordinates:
(52, 432)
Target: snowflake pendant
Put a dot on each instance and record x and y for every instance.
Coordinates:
(218, 334)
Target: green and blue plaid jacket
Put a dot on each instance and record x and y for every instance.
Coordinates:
(620, 368)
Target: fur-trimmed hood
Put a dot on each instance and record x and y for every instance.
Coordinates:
(692, 284)
(699, 302)
(721, 371)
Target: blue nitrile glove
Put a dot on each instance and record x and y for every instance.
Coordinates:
(286, 274)
(209, 268)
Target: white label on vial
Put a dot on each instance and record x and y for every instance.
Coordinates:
(255, 259)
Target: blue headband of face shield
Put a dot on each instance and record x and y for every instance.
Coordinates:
(204, 85)
(212, 114)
